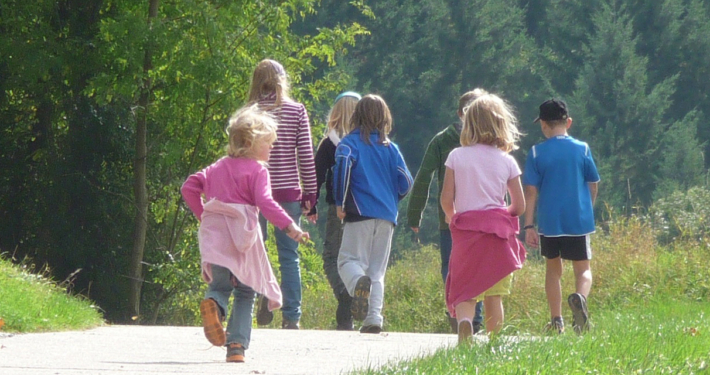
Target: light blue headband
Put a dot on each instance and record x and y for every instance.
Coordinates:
(351, 94)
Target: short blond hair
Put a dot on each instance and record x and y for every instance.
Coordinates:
(246, 127)
(490, 120)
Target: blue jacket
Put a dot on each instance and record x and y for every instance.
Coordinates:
(369, 180)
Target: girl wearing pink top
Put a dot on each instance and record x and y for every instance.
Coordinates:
(485, 249)
(234, 261)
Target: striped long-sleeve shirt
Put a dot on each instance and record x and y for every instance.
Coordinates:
(291, 163)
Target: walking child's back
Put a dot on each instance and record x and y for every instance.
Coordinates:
(234, 261)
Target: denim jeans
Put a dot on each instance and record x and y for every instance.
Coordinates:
(223, 284)
(445, 248)
(288, 263)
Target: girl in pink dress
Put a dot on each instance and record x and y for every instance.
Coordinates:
(484, 227)
(227, 197)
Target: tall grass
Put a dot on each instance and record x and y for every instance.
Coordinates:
(30, 302)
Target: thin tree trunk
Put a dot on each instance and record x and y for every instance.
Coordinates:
(139, 179)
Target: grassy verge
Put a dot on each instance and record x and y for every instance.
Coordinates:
(656, 337)
(32, 303)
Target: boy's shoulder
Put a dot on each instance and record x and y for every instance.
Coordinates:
(553, 144)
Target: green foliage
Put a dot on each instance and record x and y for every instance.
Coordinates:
(682, 215)
(32, 302)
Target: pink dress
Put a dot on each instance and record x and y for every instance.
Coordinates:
(485, 250)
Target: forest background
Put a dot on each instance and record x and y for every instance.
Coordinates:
(107, 106)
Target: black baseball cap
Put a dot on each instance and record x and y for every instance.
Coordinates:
(551, 110)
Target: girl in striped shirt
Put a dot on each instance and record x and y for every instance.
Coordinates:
(293, 178)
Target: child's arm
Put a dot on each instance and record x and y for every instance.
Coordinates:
(448, 192)
(296, 234)
(341, 176)
(191, 191)
(593, 189)
(404, 176)
(420, 188)
(306, 163)
(531, 236)
(517, 200)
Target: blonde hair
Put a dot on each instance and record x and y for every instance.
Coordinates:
(247, 126)
(470, 96)
(489, 120)
(269, 77)
(340, 115)
(372, 115)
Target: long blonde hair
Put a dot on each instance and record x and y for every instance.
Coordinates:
(269, 77)
(372, 114)
(247, 126)
(341, 113)
(489, 120)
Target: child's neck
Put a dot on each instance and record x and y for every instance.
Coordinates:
(558, 131)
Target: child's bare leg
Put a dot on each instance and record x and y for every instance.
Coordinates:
(494, 313)
(583, 276)
(466, 310)
(553, 286)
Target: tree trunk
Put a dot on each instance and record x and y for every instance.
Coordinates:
(139, 178)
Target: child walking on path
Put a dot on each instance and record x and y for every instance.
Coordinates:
(338, 127)
(291, 166)
(433, 162)
(561, 175)
(234, 260)
(485, 249)
(369, 178)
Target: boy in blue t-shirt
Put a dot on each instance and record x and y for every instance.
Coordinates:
(560, 180)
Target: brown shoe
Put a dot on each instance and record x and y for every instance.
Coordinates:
(235, 352)
(212, 322)
(465, 332)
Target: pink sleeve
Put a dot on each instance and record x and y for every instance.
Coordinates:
(192, 191)
(266, 203)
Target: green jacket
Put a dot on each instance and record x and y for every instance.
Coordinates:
(434, 159)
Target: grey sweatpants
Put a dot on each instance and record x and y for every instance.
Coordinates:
(365, 251)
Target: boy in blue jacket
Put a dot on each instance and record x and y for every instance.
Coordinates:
(369, 178)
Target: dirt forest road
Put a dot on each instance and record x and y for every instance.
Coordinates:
(184, 350)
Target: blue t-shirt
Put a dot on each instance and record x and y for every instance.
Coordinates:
(561, 168)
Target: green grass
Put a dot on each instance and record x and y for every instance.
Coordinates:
(657, 337)
(32, 303)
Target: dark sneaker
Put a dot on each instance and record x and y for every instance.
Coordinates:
(361, 298)
(235, 352)
(289, 324)
(477, 327)
(453, 323)
(371, 329)
(263, 315)
(556, 325)
(465, 332)
(578, 304)
(212, 322)
(343, 316)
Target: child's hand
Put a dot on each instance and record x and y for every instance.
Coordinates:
(295, 233)
(531, 237)
(341, 213)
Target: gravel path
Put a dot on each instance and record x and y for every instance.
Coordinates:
(184, 350)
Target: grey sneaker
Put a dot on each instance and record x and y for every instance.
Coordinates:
(556, 325)
(371, 329)
(578, 304)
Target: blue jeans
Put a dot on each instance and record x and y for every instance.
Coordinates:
(445, 248)
(223, 284)
(288, 263)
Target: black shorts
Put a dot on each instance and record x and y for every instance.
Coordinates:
(568, 247)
